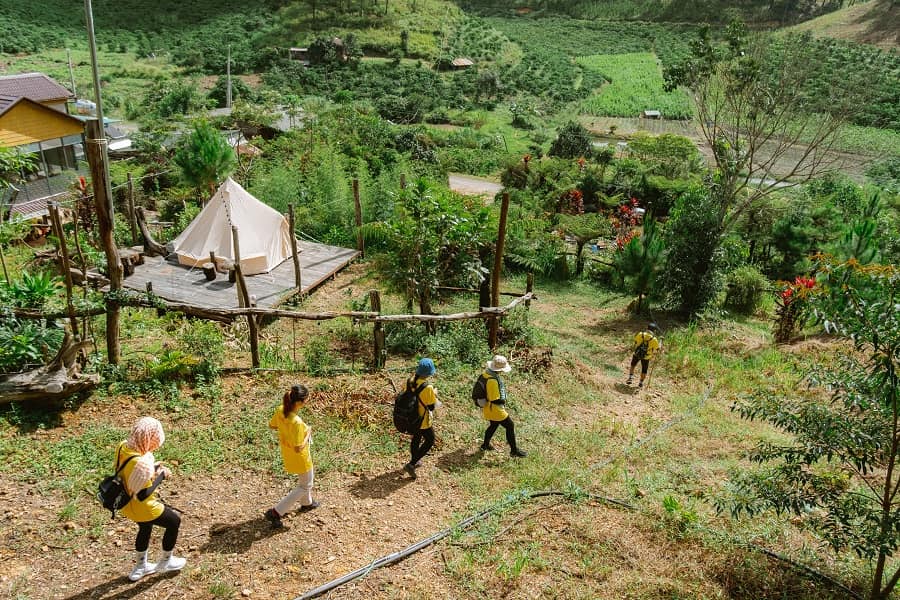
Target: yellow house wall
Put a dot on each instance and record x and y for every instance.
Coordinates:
(25, 123)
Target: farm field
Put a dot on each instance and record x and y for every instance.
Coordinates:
(635, 84)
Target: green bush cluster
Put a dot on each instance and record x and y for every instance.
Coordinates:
(746, 287)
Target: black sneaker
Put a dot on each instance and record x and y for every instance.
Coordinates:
(629, 381)
(641, 385)
(487, 448)
(274, 518)
(410, 469)
(309, 507)
(516, 453)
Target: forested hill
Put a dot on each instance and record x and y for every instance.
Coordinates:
(712, 11)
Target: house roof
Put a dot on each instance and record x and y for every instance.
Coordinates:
(34, 86)
(24, 121)
(461, 62)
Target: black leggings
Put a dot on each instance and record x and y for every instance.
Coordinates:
(644, 364)
(168, 520)
(510, 432)
(421, 443)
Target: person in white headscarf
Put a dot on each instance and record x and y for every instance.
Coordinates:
(142, 475)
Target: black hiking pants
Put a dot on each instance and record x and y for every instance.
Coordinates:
(421, 443)
(169, 521)
(510, 432)
(644, 364)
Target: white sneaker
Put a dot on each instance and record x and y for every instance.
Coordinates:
(142, 567)
(170, 563)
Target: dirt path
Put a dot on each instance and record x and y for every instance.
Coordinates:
(469, 185)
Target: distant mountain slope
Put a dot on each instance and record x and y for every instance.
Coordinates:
(876, 22)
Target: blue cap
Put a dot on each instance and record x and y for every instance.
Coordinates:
(425, 368)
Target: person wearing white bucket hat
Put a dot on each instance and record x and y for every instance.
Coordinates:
(492, 390)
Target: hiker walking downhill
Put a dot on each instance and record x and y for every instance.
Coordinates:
(423, 438)
(492, 391)
(294, 438)
(646, 345)
(142, 475)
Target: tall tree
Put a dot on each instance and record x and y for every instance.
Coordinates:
(205, 157)
(749, 95)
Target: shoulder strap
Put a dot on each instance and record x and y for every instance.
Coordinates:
(127, 460)
(418, 391)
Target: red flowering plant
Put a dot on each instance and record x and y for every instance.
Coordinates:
(571, 202)
(792, 307)
(624, 219)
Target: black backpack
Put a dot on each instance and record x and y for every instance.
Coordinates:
(406, 408)
(479, 391)
(111, 491)
(641, 351)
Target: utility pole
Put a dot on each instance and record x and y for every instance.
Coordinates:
(98, 157)
(71, 72)
(228, 79)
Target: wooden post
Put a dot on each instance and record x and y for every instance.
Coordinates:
(402, 181)
(358, 206)
(529, 287)
(380, 353)
(95, 147)
(244, 299)
(212, 258)
(295, 253)
(237, 263)
(132, 218)
(498, 267)
(56, 224)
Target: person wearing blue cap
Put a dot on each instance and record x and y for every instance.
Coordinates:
(423, 439)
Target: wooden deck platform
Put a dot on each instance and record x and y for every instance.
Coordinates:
(179, 283)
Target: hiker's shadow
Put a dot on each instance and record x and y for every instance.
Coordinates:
(237, 538)
(626, 389)
(458, 460)
(380, 486)
(129, 589)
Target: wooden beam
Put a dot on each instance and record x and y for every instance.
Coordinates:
(494, 324)
(295, 253)
(56, 224)
(358, 208)
(95, 140)
(244, 296)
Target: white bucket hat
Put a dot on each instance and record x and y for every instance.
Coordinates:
(499, 364)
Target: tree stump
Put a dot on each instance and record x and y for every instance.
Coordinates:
(59, 379)
(209, 270)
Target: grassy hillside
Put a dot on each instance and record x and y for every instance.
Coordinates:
(692, 11)
(876, 22)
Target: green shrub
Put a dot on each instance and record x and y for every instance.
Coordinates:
(204, 339)
(746, 289)
(26, 344)
(318, 358)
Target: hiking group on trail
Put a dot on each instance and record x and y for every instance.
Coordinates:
(414, 414)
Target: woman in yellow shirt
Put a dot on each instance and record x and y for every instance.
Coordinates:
(294, 437)
(423, 439)
(142, 475)
(494, 411)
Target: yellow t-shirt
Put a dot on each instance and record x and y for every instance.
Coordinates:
(139, 511)
(493, 411)
(652, 343)
(292, 432)
(428, 397)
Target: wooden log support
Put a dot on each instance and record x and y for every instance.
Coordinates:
(358, 208)
(96, 154)
(295, 253)
(57, 380)
(132, 218)
(379, 354)
(244, 298)
(494, 324)
(56, 224)
(151, 246)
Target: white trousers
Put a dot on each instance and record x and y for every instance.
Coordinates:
(302, 493)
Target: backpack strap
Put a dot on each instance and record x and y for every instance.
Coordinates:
(499, 400)
(122, 466)
(418, 391)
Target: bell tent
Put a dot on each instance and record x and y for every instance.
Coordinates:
(263, 233)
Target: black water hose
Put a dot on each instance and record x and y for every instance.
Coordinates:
(398, 556)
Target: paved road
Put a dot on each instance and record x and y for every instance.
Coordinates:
(469, 185)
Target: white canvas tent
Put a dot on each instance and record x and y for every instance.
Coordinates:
(263, 233)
